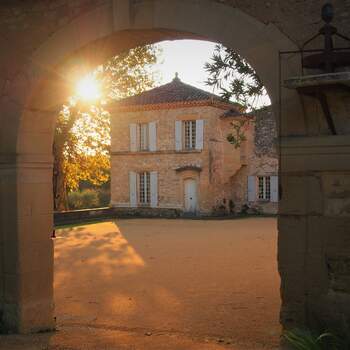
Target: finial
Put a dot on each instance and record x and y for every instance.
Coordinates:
(327, 12)
(176, 77)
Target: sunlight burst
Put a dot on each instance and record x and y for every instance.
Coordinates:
(88, 89)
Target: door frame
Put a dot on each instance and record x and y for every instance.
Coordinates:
(195, 179)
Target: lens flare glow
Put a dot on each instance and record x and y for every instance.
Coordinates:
(88, 89)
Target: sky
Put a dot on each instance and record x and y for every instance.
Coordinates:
(187, 57)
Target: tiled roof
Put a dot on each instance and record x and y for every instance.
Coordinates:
(234, 112)
(174, 92)
(231, 113)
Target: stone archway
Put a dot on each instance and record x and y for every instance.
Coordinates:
(44, 80)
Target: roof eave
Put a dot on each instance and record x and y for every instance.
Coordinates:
(172, 105)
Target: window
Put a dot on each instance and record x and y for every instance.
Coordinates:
(144, 137)
(190, 134)
(144, 188)
(264, 183)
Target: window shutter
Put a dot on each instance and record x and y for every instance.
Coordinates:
(251, 189)
(199, 134)
(152, 130)
(154, 189)
(274, 188)
(133, 137)
(133, 189)
(178, 135)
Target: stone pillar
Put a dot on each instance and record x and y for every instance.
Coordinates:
(26, 249)
(314, 224)
(314, 233)
(26, 219)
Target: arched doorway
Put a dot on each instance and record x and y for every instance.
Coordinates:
(44, 82)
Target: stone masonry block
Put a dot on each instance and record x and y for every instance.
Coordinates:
(301, 195)
(337, 194)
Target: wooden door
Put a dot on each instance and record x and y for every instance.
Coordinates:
(190, 195)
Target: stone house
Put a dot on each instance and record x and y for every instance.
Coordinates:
(169, 151)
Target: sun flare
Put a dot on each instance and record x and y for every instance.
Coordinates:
(88, 89)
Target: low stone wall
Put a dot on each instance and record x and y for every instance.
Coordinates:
(91, 215)
(86, 215)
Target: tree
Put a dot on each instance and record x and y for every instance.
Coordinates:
(235, 79)
(82, 134)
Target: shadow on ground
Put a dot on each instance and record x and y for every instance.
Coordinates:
(166, 284)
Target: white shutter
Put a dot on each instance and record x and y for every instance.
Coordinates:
(154, 189)
(274, 188)
(178, 135)
(133, 189)
(152, 131)
(199, 134)
(133, 137)
(251, 189)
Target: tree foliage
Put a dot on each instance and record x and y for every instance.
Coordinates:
(237, 136)
(234, 78)
(82, 136)
(128, 73)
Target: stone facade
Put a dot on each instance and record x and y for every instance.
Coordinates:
(220, 170)
(259, 160)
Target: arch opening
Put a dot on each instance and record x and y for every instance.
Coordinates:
(54, 66)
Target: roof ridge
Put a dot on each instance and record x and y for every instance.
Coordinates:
(172, 92)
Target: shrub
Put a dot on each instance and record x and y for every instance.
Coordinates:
(83, 199)
(306, 340)
(104, 197)
(74, 200)
(90, 199)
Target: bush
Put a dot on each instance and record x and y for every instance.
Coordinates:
(104, 197)
(306, 340)
(83, 199)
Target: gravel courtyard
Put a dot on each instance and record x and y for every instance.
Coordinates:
(166, 284)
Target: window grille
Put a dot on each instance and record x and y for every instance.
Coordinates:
(264, 183)
(144, 137)
(144, 188)
(190, 134)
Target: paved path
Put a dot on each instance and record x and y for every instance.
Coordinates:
(165, 284)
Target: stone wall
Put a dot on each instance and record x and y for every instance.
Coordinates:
(265, 140)
(316, 220)
(102, 214)
(297, 19)
(260, 159)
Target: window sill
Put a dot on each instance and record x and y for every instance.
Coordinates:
(189, 151)
(145, 153)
